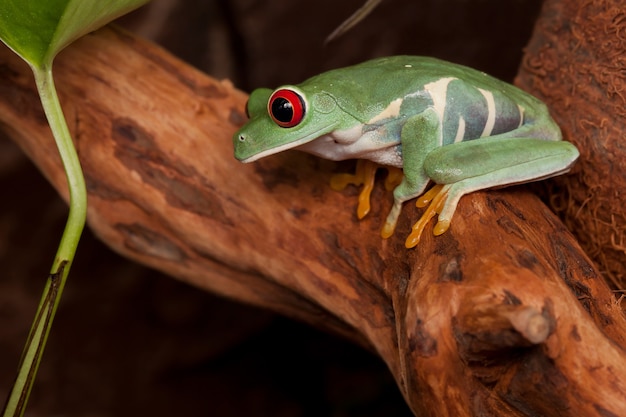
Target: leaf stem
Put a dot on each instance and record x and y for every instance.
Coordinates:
(55, 283)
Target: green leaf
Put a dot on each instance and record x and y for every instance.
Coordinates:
(38, 29)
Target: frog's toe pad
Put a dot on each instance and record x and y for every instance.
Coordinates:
(387, 230)
(416, 233)
(441, 227)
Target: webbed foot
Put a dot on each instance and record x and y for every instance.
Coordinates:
(365, 175)
(435, 199)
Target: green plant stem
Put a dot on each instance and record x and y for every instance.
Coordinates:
(55, 283)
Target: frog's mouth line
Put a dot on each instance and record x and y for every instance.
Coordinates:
(290, 145)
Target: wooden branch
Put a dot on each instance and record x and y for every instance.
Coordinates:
(501, 315)
(575, 63)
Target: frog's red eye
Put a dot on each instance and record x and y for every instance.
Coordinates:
(286, 108)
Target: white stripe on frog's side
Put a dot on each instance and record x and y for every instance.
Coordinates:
(460, 132)
(391, 111)
(521, 115)
(438, 91)
(491, 113)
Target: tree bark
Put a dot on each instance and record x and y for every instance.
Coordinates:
(575, 63)
(502, 315)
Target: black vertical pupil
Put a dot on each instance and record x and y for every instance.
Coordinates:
(282, 110)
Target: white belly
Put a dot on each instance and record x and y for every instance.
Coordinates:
(354, 144)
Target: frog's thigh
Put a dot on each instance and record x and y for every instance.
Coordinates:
(491, 162)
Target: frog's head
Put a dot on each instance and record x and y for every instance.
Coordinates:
(284, 119)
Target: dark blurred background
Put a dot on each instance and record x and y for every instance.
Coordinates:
(130, 341)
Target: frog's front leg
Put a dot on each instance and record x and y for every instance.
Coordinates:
(420, 134)
(365, 174)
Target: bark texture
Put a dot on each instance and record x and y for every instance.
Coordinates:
(575, 63)
(501, 315)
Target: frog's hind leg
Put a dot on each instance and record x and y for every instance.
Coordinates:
(485, 163)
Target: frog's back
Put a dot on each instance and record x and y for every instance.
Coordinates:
(379, 81)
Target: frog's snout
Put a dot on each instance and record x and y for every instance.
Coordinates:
(239, 144)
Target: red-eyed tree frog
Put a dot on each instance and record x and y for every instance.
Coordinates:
(437, 121)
